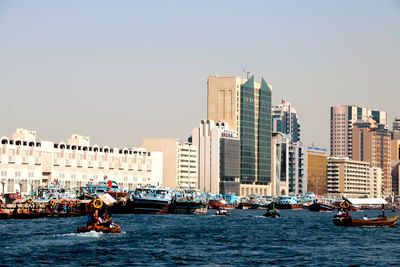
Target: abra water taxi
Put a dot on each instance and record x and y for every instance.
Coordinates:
(345, 219)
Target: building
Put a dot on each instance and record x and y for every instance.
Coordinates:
(246, 106)
(280, 165)
(396, 129)
(350, 178)
(179, 161)
(218, 151)
(342, 120)
(371, 143)
(297, 169)
(316, 170)
(285, 120)
(26, 163)
(395, 178)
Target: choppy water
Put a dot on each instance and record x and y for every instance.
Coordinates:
(245, 238)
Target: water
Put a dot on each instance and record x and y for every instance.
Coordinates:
(299, 238)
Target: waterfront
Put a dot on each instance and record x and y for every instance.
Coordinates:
(246, 237)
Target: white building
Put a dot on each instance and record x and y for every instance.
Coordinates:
(28, 163)
(218, 157)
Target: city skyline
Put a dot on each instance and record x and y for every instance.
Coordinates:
(145, 67)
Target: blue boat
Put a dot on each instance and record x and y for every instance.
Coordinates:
(190, 201)
(152, 200)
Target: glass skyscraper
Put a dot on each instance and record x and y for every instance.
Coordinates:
(246, 106)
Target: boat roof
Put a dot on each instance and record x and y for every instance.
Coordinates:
(367, 201)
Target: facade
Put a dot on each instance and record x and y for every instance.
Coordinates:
(285, 120)
(246, 106)
(218, 157)
(179, 161)
(280, 165)
(26, 163)
(316, 170)
(395, 150)
(342, 120)
(371, 143)
(350, 178)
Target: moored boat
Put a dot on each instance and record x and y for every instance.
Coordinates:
(288, 203)
(189, 201)
(152, 200)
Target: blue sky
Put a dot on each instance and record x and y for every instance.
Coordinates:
(120, 71)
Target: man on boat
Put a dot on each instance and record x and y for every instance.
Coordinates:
(365, 217)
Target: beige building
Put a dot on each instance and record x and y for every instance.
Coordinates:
(371, 143)
(26, 163)
(350, 178)
(179, 161)
(316, 170)
(246, 106)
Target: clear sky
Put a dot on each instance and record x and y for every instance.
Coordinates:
(121, 71)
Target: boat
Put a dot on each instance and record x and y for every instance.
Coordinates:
(320, 207)
(223, 201)
(347, 220)
(152, 200)
(289, 202)
(222, 212)
(189, 201)
(114, 229)
(272, 212)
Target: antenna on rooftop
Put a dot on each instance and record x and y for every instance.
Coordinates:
(247, 72)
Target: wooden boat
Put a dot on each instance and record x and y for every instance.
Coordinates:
(381, 220)
(115, 229)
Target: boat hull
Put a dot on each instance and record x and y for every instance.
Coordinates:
(189, 207)
(289, 206)
(151, 206)
(382, 222)
(317, 207)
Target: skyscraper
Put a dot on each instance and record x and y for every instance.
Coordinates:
(246, 106)
(371, 143)
(342, 120)
(285, 120)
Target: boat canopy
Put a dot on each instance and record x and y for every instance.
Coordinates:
(367, 201)
(107, 199)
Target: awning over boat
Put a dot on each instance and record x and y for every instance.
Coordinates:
(367, 201)
(19, 201)
(107, 199)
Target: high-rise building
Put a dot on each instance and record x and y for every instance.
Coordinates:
(342, 120)
(179, 161)
(26, 163)
(246, 106)
(371, 143)
(316, 170)
(285, 120)
(280, 165)
(218, 157)
(350, 178)
(297, 169)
